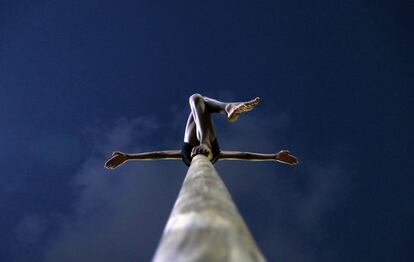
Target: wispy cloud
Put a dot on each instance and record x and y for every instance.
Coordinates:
(113, 211)
(30, 229)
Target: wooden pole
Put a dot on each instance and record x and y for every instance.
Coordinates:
(205, 224)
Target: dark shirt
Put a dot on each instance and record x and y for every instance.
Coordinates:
(186, 152)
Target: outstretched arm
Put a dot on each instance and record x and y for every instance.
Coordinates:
(118, 158)
(283, 156)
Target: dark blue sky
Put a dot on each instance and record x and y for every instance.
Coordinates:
(80, 79)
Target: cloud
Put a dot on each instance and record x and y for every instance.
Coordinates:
(114, 210)
(119, 215)
(30, 229)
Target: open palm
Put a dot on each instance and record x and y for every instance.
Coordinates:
(117, 159)
(285, 157)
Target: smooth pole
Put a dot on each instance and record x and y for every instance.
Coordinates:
(205, 224)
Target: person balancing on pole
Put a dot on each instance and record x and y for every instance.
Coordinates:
(200, 137)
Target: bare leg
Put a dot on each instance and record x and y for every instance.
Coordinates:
(199, 129)
(200, 126)
(231, 110)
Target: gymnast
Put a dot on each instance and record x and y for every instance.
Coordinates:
(200, 137)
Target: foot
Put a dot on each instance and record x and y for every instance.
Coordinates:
(233, 110)
(202, 149)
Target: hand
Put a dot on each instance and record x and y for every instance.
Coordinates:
(117, 159)
(285, 157)
(202, 149)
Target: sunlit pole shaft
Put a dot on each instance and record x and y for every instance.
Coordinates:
(205, 224)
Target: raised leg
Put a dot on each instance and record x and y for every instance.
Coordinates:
(200, 130)
(231, 110)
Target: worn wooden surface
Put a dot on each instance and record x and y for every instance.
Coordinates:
(205, 224)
